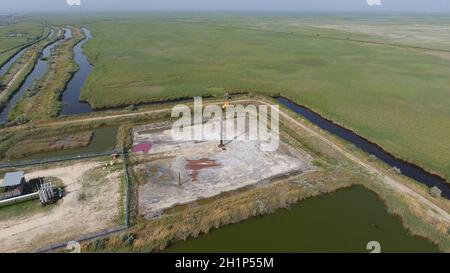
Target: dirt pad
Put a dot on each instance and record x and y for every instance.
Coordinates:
(70, 217)
(199, 170)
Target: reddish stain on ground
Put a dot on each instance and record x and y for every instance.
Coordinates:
(196, 165)
(144, 147)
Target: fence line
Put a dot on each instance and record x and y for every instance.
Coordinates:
(19, 199)
(26, 163)
(106, 232)
(127, 189)
(87, 237)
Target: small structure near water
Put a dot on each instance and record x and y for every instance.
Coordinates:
(13, 185)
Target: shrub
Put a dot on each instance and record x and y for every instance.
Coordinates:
(127, 239)
(132, 108)
(82, 196)
(435, 192)
(396, 170)
(97, 245)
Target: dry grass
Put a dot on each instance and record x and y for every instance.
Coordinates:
(33, 145)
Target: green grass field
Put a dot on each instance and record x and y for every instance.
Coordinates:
(395, 96)
(17, 34)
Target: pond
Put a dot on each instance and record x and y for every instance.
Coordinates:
(104, 139)
(344, 221)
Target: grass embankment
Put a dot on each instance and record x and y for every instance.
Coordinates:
(16, 34)
(35, 145)
(42, 100)
(11, 137)
(18, 73)
(396, 97)
(335, 172)
(64, 127)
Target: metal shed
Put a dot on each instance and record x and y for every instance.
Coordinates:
(13, 181)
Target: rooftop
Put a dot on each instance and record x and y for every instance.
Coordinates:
(12, 179)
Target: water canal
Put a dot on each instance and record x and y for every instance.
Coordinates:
(5, 67)
(71, 95)
(37, 73)
(407, 169)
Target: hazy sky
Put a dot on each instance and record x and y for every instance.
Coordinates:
(306, 5)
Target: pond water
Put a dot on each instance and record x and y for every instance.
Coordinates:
(344, 221)
(104, 139)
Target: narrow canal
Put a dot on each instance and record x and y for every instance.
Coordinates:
(71, 95)
(407, 169)
(5, 67)
(344, 221)
(37, 73)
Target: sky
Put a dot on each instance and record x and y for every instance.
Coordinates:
(231, 5)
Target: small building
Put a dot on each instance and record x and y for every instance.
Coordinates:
(14, 182)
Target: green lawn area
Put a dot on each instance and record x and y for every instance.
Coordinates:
(22, 210)
(27, 30)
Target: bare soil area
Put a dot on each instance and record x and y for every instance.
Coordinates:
(200, 169)
(70, 217)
